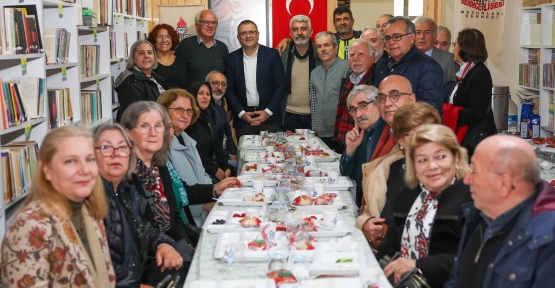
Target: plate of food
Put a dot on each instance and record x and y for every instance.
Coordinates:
(337, 263)
(270, 180)
(252, 168)
(245, 197)
(317, 227)
(326, 201)
(250, 246)
(230, 221)
(341, 184)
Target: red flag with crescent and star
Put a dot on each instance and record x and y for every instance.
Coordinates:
(284, 10)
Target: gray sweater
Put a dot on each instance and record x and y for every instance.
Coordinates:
(325, 86)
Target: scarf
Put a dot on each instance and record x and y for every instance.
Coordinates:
(179, 191)
(463, 70)
(96, 260)
(415, 241)
(150, 178)
(311, 62)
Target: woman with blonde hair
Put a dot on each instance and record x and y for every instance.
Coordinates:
(427, 216)
(58, 236)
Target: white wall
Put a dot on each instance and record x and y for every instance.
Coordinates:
(366, 12)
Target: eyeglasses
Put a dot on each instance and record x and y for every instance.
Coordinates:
(160, 37)
(107, 150)
(362, 106)
(145, 128)
(208, 23)
(179, 111)
(249, 33)
(395, 37)
(393, 96)
(222, 84)
(425, 32)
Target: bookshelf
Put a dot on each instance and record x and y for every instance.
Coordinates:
(537, 57)
(66, 73)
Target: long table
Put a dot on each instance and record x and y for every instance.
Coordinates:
(206, 267)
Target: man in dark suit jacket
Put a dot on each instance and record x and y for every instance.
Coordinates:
(256, 84)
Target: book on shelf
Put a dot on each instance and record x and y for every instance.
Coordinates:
(89, 60)
(113, 46)
(528, 75)
(141, 35)
(56, 45)
(126, 45)
(20, 30)
(60, 110)
(530, 29)
(91, 106)
(21, 100)
(18, 161)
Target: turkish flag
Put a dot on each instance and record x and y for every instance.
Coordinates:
(284, 10)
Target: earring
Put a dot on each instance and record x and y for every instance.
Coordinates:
(457, 168)
(416, 175)
(400, 147)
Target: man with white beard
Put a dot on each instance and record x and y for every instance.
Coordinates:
(299, 59)
(220, 117)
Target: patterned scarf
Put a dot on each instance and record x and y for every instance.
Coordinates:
(179, 191)
(418, 226)
(160, 88)
(150, 178)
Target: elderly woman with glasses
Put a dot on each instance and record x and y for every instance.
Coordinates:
(140, 254)
(170, 67)
(146, 124)
(427, 216)
(139, 82)
(183, 111)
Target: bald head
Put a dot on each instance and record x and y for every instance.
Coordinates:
(393, 86)
(395, 82)
(511, 155)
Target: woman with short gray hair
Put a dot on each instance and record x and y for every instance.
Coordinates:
(139, 82)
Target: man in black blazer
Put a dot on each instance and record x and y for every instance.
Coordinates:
(256, 84)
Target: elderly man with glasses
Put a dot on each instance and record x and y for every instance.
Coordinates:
(362, 106)
(203, 53)
(423, 72)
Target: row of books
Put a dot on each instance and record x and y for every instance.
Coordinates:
(19, 160)
(123, 6)
(548, 75)
(56, 45)
(60, 110)
(21, 100)
(20, 31)
(528, 75)
(91, 106)
(89, 60)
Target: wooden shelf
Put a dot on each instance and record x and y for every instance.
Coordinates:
(94, 77)
(16, 200)
(60, 66)
(23, 125)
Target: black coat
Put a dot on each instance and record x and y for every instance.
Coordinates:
(446, 231)
(133, 86)
(130, 245)
(474, 94)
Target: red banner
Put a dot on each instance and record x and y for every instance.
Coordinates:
(284, 10)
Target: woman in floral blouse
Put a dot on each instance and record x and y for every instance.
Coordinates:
(57, 239)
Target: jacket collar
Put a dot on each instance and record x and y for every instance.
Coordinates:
(70, 238)
(545, 201)
(413, 50)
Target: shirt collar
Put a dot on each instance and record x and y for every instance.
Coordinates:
(356, 79)
(253, 55)
(201, 42)
(429, 52)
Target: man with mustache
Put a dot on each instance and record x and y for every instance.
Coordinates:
(363, 108)
(426, 33)
(299, 61)
(361, 62)
(220, 117)
(343, 22)
(325, 86)
(203, 53)
(423, 72)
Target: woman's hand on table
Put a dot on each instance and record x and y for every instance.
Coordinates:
(168, 257)
(399, 267)
(227, 183)
(373, 229)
